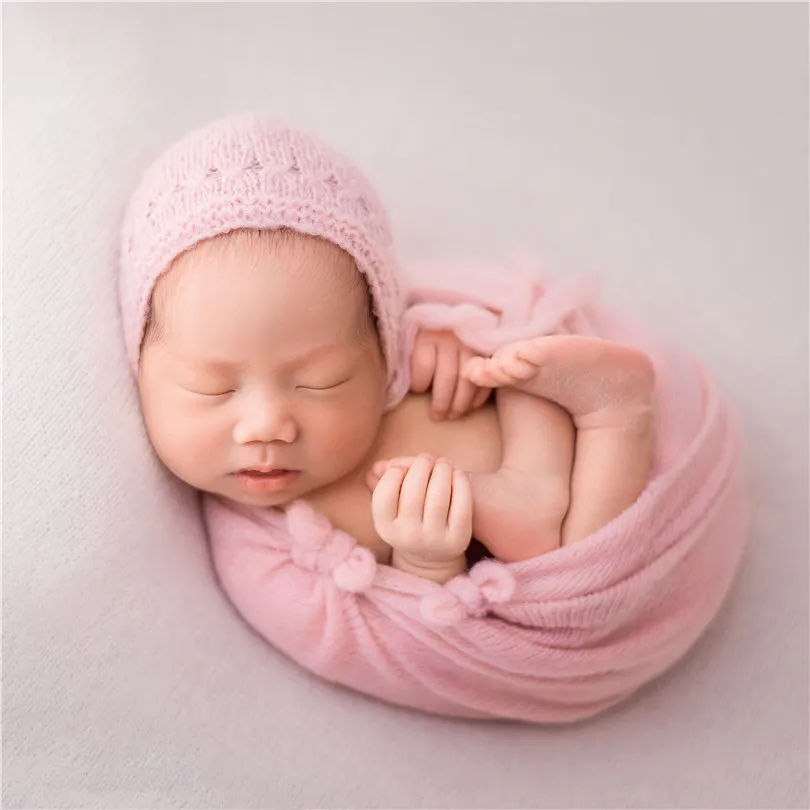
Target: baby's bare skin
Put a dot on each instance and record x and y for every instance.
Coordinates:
(472, 443)
(607, 391)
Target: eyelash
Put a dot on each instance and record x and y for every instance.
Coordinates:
(304, 387)
(325, 388)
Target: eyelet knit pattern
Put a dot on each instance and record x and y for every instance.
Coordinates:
(251, 171)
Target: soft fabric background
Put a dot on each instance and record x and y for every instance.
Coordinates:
(662, 145)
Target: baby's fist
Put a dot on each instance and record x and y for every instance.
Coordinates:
(423, 510)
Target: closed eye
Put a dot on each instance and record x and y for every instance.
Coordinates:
(213, 394)
(323, 387)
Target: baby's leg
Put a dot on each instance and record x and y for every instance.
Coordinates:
(519, 510)
(608, 390)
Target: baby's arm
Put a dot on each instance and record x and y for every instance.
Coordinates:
(423, 510)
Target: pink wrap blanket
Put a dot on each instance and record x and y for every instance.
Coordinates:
(554, 639)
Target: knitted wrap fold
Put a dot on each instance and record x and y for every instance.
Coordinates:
(251, 171)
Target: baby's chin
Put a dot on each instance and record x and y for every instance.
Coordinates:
(259, 501)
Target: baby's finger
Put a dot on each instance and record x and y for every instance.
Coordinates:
(463, 399)
(444, 382)
(481, 396)
(423, 365)
(385, 498)
(414, 487)
(379, 467)
(397, 461)
(437, 498)
(459, 520)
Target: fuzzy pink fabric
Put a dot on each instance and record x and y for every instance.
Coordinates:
(554, 639)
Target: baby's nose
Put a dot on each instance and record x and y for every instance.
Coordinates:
(266, 420)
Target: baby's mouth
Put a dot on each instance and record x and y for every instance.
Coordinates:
(265, 479)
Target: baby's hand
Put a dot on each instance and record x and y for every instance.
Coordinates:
(423, 510)
(436, 360)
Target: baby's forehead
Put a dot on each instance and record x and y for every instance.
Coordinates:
(255, 278)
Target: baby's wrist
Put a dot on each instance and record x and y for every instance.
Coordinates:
(435, 570)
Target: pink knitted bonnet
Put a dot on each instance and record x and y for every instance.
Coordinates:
(251, 171)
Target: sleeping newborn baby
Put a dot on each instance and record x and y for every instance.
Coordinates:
(266, 333)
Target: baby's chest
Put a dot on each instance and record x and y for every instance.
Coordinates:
(472, 443)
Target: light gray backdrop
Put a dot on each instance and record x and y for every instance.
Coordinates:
(663, 145)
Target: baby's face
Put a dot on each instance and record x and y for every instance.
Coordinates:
(264, 356)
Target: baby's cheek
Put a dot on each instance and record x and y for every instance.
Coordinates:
(186, 441)
(347, 429)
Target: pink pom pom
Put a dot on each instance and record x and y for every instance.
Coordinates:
(356, 573)
(468, 594)
(443, 609)
(495, 581)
